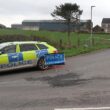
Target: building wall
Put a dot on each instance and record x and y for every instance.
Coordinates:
(16, 26)
(35, 28)
(106, 27)
(53, 26)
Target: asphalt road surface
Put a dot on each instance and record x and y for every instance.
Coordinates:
(83, 82)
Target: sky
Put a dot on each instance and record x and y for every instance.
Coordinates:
(15, 11)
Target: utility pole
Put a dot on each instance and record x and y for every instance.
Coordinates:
(91, 27)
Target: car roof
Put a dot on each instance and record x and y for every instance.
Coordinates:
(19, 42)
(22, 42)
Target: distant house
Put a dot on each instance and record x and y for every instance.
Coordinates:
(106, 25)
(98, 29)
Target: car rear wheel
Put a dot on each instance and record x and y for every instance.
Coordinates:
(41, 64)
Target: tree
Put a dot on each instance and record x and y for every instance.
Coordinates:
(69, 13)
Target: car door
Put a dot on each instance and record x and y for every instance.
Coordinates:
(42, 50)
(8, 56)
(29, 53)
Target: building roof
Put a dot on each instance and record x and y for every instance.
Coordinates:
(106, 20)
(31, 21)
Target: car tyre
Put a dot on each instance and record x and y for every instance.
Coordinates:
(41, 64)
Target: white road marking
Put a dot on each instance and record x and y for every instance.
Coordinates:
(91, 108)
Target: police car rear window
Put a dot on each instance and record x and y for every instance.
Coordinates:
(27, 47)
(41, 46)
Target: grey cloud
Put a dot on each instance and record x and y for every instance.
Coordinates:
(24, 7)
(41, 9)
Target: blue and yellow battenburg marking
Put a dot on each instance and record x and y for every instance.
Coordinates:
(26, 58)
(55, 59)
(21, 58)
(15, 64)
(15, 57)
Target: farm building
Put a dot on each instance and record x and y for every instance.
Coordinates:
(52, 25)
(16, 26)
(55, 25)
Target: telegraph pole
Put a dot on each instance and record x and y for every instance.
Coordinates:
(91, 27)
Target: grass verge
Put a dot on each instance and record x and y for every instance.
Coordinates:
(80, 42)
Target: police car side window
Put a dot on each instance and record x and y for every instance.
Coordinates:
(9, 49)
(41, 46)
(27, 47)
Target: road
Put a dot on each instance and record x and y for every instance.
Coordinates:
(83, 82)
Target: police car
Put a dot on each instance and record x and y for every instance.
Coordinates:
(14, 55)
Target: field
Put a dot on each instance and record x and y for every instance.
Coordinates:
(80, 42)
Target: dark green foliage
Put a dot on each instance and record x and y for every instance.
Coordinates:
(67, 11)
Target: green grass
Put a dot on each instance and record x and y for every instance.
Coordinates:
(80, 42)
